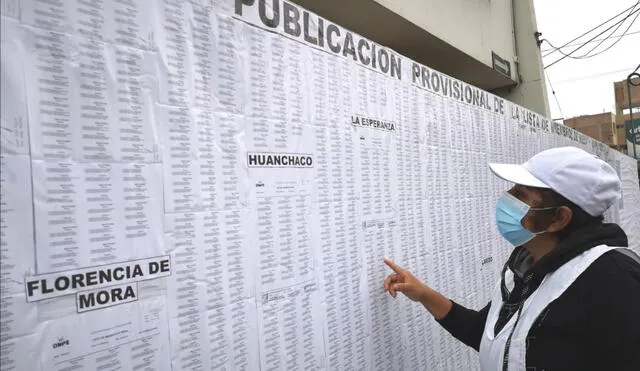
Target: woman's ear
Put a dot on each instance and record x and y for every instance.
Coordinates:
(561, 219)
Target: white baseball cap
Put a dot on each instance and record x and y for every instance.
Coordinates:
(575, 174)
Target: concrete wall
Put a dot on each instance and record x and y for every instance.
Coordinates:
(474, 27)
(531, 90)
(456, 37)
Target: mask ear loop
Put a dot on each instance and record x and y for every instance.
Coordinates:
(542, 209)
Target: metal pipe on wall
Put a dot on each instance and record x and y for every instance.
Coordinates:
(632, 129)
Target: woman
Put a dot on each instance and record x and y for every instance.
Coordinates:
(569, 295)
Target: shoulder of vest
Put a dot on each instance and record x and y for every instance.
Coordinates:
(619, 260)
(629, 254)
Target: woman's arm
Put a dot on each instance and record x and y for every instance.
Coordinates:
(464, 324)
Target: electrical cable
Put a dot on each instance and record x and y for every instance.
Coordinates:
(576, 44)
(580, 47)
(611, 34)
(595, 28)
(591, 76)
(585, 43)
(554, 93)
(586, 55)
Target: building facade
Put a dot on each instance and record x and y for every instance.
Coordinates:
(490, 44)
(628, 131)
(601, 126)
(615, 128)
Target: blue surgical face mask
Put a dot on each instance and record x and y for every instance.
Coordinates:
(509, 214)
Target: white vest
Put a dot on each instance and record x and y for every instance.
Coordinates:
(492, 346)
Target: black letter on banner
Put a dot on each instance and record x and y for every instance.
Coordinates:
(425, 78)
(136, 271)
(164, 266)
(349, 47)
(291, 19)
(456, 90)
(468, 94)
(103, 297)
(320, 32)
(435, 82)
(154, 267)
(86, 300)
(117, 270)
(307, 37)
(105, 275)
(415, 68)
(240, 3)
(496, 105)
(395, 67)
(253, 160)
(374, 55)
(62, 283)
(275, 21)
(476, 98)
(31, 287)
(364, 59)
(333, 29)
(92, 279)
(445, 86)
(45, 289)
(383, 58)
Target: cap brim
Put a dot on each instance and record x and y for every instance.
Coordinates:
(517, 174)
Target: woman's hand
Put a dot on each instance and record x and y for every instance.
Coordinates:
(405, 282)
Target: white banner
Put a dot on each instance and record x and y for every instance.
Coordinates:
(203, 185)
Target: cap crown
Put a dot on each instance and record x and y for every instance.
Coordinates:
(579, 176)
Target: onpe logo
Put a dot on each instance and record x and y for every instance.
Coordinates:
(60, 343)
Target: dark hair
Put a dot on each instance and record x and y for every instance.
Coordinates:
(580, 217)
